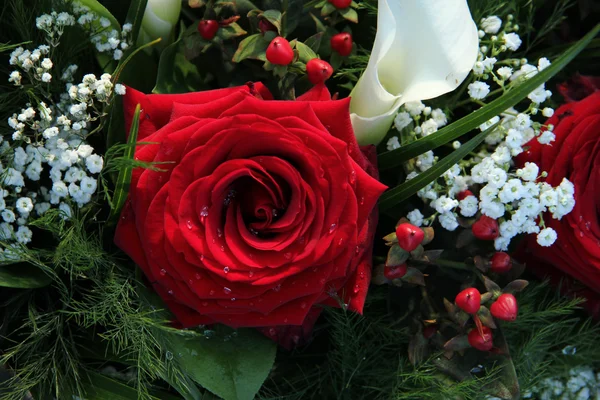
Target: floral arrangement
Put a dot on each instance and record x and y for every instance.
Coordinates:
(290, 199)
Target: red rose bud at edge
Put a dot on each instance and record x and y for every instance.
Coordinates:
(469, 300)
(318, 71)
(464, 194)
(208, 28)
(265, 26)
(395, 272)
(481, 342)
(505, 308)
(341, 3)
(342, 43)
(280, 52)
(485, 228)
(501, 262)
(409, 236)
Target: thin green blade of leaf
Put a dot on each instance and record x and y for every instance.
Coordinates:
(124, 179)
(135, 15)
(101, 387)
(455, 130)
(23, 276)
(402, 192)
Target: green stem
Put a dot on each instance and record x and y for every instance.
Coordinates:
(284, 7)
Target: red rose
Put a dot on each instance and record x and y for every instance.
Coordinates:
(262, 211)
(575, 155)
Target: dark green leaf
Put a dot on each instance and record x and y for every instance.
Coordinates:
(175, 73)
(105, 60)
(274, 17)
(101, 387)
(402, 192)
(124, 179)
(254, 47)
(327, 9)
(230, 31)
(314, 42)
(23, 276)
(305, 53)
(455, 130)
(234, 369)
(396, 256)
(349, 14)
(135, 16)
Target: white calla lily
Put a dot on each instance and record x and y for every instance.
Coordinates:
(159, 21)
(423, 49)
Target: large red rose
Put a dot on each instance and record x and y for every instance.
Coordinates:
(575, 154)
(262, 211)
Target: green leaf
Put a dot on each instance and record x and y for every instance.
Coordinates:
(99, 9)
(274, 17)
(124, 179)
(327, 9)
(305, 53)
(23, 276)
(254, 46)
(314, 42)
(396, 256)
(455, 130)
(135, 14)
(175, 73)
(230, 31)
(234, 369)
(402, 192)
(349, 14)
(101, 387)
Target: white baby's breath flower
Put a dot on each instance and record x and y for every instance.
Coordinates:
(547, 237)
(491, 24)
(415, 217)
(512, 41)
(393, 143)
(448, 221)
(478, 90)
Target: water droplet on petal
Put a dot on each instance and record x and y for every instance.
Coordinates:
(357, 250)
(303, 305)
(288, 256)
(191, 282)
(332, 228)
(223, 248)
(361, 275)
(275, 212)
(356, 289)
(272, 331)
(226, 270)
(341, 241)
(226, 290)
(588, 225)
(201, 257)
(170, 292)
(277, 288)
(189, 224)
(322, 281)
(219, 233)
(285, 320)
(353, 177)
(569, 350)
(212, 292)
(198, 276)
(163, 272)
(362, 200)
(233, 299)
(205, 303)
(204, 212)
(250, 274)
(580, 233)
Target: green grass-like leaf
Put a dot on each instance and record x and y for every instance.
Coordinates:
(455, 130)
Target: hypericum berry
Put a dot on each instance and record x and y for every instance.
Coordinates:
(342, 43)
(469, 300)
(463, 194)
(318, 71)
(409, 236)
(280, 52)
(265, 26)
(501, 262)
(485, 228)
(208, 28)
(395, 272)
(481, 342)
(505, 307)
(341, 3)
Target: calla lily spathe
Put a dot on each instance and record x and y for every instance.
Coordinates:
(423, 49)
(159, 21)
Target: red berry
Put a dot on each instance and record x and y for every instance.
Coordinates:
(280, 52)
(463, 194)
(485, 228)
(505, 307)
(395, 272)
(342, 43)
(266, 26)
(318, 71)
(481, 342)
(501, 262)
(341, 3)
(430, 330)
(469, 300)
(409, 236)
(208, 28)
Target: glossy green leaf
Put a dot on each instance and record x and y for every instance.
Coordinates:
(124, 179)
(101, 387)
(305, 53)
(233, 368)
(402, 192)
(455, 130)
(230, 31)
(349, 14)
(23, 276)
(135, 14)
(254, 47)
(274, 17)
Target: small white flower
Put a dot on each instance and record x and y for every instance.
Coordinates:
(23, 235)
(439, 117)
(120, 89)
(393, 143)
(118, 54)
(414, 108)
(469, 206)
(511, 191)
(508, 229)
(547, 237)
(529, 172)
(444, 204)
(127, 28)
(44, 22)
(15, 78)
(24, 205)
(46, 77)
(105, 22)
(501, 243)
(415, 217)
(448, 221)
(548, 196)
(543, 63)
(501, 155)
(8, 216)
(47, 64)
(512, 41)
(488, 63)
(497, 177)
(94, 163)
(478, 90)
(505, 72)
(489, 124)
(539, 95)
(548, 112)
(493, 209)
(491, 24)
(50, 132)
(456, 145)
(88, 185)
(546, 137)
(66, 210)
(428, 127)
(41, 208)
(60, 189)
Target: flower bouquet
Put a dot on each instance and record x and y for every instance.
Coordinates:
(298, 199)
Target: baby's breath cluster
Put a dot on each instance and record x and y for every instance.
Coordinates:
(487, 182)
(45, 160)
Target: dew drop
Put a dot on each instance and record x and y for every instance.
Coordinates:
(272, 332)
(163, 272)
(361, 275)
(341, 241)
(332, 228)
(306, 285)
(204, 212)
(362, 200)
(191, 282)
(198, 276)
(223, 248)
(356, 289)
(251, 304)
(275, 212)
(212, 292)
(277, 288)
(226, 270)
(226, 290)
(288, 256)
(169, 355)
(219, 232)
(303, 305)
(170, 292)
(353, 177)
(285, 320)
(205, 303)
(357, 250)
(580, 233)
(201, 257)
(569, 350)
(322, 281)
(588, 225)
(189, 224)
(296, 339)
(233, 299)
